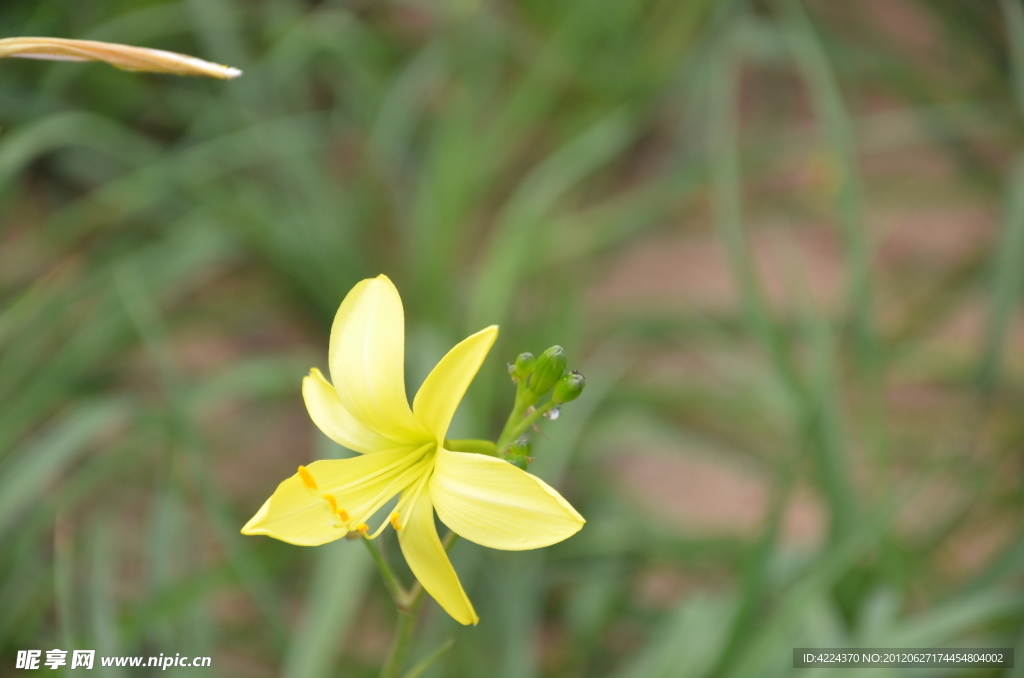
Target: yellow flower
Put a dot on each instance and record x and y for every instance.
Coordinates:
(482, 498)
(125, 57)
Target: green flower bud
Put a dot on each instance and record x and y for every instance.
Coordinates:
(523, 367)
(521, 463)
(519, 454)
(568, 388)
(520, 448)
(548, 369)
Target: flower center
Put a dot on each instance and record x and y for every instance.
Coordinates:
(354, 502)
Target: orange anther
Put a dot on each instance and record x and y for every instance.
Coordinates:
(394, 521)
(307, 478)
(329, 498)
(362, 528)
(343, 515)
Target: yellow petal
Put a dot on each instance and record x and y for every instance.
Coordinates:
(295, 515)
(367, 358)
(331, 417)
(493, 503)
(299, 513)
(124, 57)
(428, 561)
(441, 392)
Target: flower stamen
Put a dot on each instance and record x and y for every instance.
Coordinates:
(307, 478)
(392, 488)
(405, 460)
(376, 533)
(408, 500)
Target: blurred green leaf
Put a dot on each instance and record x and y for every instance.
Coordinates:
(29, 470)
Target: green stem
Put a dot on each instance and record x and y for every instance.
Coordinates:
(400, 643)
(529, 421)
(426, 662)
(398, 593)
(514, 419)
(475, 446)
(407, 613)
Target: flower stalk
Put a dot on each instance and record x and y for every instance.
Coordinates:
(407, 603)
(515, 418)
(518, 424)
(475, 446)
(399, 595)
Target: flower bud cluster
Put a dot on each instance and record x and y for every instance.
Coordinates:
(536, 377)
(540, 375)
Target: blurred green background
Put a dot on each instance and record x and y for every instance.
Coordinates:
(784, 240)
